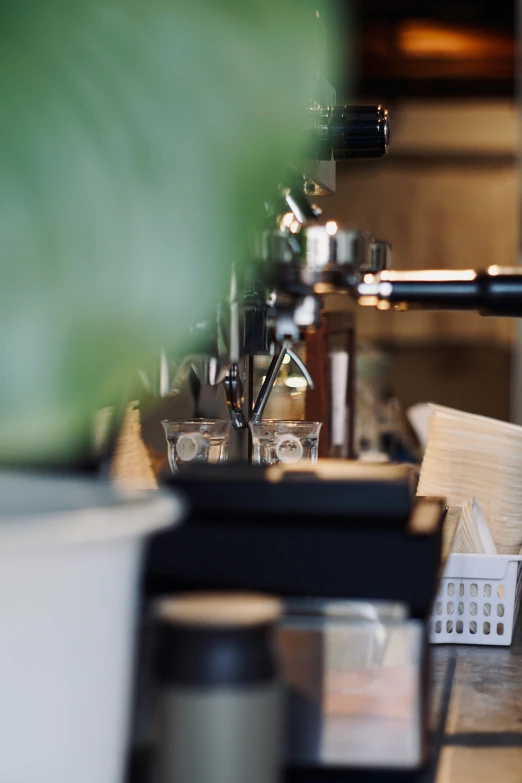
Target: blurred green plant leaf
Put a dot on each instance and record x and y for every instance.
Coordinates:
(137, 143)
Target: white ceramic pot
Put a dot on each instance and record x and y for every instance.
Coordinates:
(70, 553)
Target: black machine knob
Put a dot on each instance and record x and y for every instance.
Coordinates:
(350, 132)
(359, 132)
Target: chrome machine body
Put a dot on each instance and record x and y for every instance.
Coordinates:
(276, 297)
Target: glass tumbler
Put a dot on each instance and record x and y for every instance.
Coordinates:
(197, 441)
(288, 442)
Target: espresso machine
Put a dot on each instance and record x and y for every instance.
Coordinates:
(278, 298)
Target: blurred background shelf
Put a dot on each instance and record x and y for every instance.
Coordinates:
(447, 195)
(432, 47)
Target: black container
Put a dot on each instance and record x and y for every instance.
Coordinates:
(219, 693)
(302, 536)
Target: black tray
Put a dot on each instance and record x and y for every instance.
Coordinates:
(299, 536)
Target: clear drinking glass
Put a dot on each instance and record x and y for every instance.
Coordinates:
(288, 442)
(352, 672)
(197, 441)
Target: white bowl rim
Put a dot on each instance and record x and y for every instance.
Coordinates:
(38, 511)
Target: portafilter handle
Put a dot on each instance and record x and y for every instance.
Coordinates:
(496, 291)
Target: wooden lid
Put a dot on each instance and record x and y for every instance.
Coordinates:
(220, 609)
(344, 470)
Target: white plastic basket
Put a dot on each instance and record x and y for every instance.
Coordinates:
(478, 600)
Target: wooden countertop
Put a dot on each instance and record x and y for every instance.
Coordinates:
(477, 713)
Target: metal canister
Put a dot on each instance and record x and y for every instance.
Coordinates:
(219, 711)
